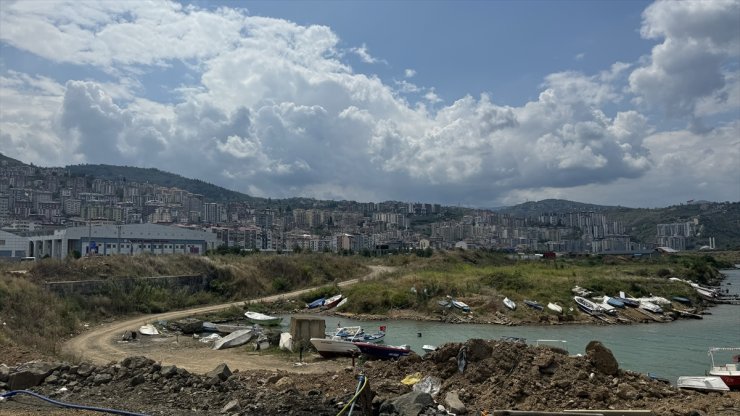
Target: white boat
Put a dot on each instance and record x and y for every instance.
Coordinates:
(711, 383)
(341, 303)
(332, 301)
(262, 319)
(461, 305)
(334, 347)
(651, 307)
(577, 290)
(587, 306)
(148, 329)
(509, 304)
(234, 339)
(555, 307)
(428, 348)
(606, 306)
(729, 373)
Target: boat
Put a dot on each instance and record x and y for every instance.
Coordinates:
(617, 303)
(632, 303)
(262, 319)
(704, 383)
(209, 327)
(444, 303)
(555, 307)
(729, 373)
(234, 339)
(460, 305)
(428, 348)
(651, 307)
(577, 290)
(332, 301)
(534, 304)
(357, 334)
(148, 329)
(341, 303)
(315, 304)
(587, 306)
(607, 307)
(333, 347)
(509, 304)
(383, 352)
(229, 328)
(681, 299)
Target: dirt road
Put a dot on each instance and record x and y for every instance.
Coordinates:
(100, 345)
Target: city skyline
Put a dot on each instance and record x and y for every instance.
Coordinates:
(476, 103)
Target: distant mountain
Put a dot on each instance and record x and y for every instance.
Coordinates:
(9, 161)
(534, 209)
(155, 176)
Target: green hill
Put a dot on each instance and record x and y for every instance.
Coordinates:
(535, 208)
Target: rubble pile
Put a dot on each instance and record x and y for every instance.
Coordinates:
(460, 378)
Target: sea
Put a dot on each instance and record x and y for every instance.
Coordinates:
(666, 350)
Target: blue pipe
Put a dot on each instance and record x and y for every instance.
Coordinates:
(70, 405)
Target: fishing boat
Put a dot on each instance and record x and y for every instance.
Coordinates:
(460, 305)
(234, 339)
(729, 373)
(262, 319)
(587, 306)
(315, 304)
(148, 329)
(555, 307)
(332, 301)
(342, 303)
(651, 307)
(428, 348)
(332, 347)
(606, 307)
(632, 303)
(509, 304)
(382, 352)
(357, 334)
(534, 304)
(703, 383)
(617, 303)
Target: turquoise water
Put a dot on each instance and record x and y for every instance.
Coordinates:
(667, 350)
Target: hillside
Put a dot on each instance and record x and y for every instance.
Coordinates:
(9, 161)
(155, 176)
(535, 208)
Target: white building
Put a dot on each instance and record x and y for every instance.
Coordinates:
(13, 245)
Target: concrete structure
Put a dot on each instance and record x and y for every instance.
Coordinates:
(13, 245)
(126, 239)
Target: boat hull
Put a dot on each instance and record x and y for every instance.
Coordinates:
(330, 348)
(261, 319)
(509, 304)
(702, 383)
(234, 339)
(555, 308)
(332, 301)
(382, 352)
(533, 304)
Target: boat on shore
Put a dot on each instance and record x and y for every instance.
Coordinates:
(460, 305)
(234, 339)
(332, 301)
(729, 373)
(229, 328)
(702, 383)
(357, 334)
(617, 303)
(262, 319)
(428, 348)
(509, 303)
(382, 352)
(342, 303)
(148, 329)
(587, 306)
(316, 303)
(555, 307)
(332, 347)
(534, 305)
(632, 303)
(651, 307)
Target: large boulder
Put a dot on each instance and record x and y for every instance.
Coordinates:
(222, 372)
(410, 404)
(31, 375)
(454, 403)
(602, 358)
(188, 325)
(478, 350)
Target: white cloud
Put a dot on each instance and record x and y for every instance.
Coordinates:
(365, 56)
(580, 56)
(409, 73)
(274, 110)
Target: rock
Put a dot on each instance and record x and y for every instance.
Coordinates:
(84, 370)
(230, 406)
(454, 403)
(602, 358)
(128, 336)
(188, 325)
(136, 362)
(478, 350)
(410, 404)
(99, 379)
(168, 371)
(626, 392)
(284, 382)
(137, 379)
(52, 379)
(30, 375)
(275, 377)
(221, 372)
(4, 373)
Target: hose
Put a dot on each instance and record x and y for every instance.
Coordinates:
(69, 405)
(360, 387)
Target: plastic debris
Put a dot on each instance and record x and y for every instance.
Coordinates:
(428, 384)
(411, 379)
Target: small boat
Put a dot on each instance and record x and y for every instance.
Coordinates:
(651, 307)
(632, 303)
(357, 334)
(681, 299)
(534, 304)
(607, 307)
(704, 383)
(332, 301)
(209, 327)
(382, 352)
(229, 328)
(342, 303)
(460, 305)
(315, 304)
(428, 348)
(555, 307)
(262, 319)
(234, 339)
(577, 290)
(444, 303)
(729, 373)
(509, 304)
(333, 347)
(587, 306)
(148, 329)
(617, 303)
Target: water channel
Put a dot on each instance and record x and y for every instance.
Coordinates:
(668, 350)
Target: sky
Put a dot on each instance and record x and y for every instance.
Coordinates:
(470, 103)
